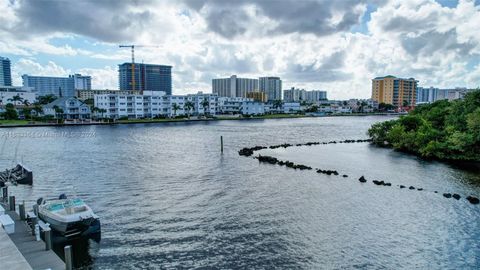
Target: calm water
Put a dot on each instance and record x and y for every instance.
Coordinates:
(167, 198)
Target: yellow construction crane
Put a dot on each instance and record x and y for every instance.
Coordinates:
(132, 47)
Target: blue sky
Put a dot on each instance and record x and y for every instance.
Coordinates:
(337, 46)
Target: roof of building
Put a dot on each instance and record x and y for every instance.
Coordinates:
(60, 102)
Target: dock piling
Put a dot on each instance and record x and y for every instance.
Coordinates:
(11, 203)
(221, 143)
(48, 239)
(68, 257)
(21, 210)
(4, 193)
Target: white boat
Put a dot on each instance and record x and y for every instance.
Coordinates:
(69, 217)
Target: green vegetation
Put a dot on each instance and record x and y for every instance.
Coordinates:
(13, 122)
(447, 130)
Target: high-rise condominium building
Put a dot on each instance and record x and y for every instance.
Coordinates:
(297, 95)
(81, 82)
(396, 91)
(272, 87)
(58, 86)
(426, 95)
(234, 87)
(148, 77)
(5, 72)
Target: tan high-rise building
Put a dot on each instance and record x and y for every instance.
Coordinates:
(257, 96)
(396, 91)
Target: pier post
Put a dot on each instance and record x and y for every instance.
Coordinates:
(21, 210)
(68, 257)
(11, 202)
(48, 239)
(35, 209)
(4, 193)
(221, 143)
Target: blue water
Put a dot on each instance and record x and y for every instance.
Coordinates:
(168, 198)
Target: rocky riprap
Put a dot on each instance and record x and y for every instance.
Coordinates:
(275, 161)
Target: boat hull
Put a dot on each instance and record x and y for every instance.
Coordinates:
(79, 228)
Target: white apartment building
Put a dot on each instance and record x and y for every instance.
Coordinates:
(291, 107)
(154, 104)
(231, 105)
(253, 108)
(297, 95)
(7, 93)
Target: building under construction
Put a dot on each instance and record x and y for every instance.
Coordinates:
(147, 77)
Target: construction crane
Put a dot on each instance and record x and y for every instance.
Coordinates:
(132, 47)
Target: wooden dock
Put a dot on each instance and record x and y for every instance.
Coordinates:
(22, 251)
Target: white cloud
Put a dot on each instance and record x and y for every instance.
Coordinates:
(406, 38)
(28, 66)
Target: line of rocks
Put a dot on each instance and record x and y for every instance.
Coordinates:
(471, 199)
(289, 164)
(273, 160)
(249, 151)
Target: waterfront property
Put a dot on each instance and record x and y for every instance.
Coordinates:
(68, 108)
(398, 92)
(83, 95)
(298, 95)
(16, 95)
(155, 104)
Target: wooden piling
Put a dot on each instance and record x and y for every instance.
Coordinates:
(68, 257)
(21, 210)
(11, 203)
(221, 143)
(48, 239)
(5, 193)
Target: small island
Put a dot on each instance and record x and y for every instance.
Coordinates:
(444, 130)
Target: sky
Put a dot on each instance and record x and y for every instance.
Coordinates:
(338, 46)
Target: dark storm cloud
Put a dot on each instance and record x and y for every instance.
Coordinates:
(430, 42)
(307, 16)
(106, 20)
(326, 70)
(228, 23)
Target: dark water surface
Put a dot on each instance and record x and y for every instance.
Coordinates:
(168, 198)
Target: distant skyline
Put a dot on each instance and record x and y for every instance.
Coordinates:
(338, 46)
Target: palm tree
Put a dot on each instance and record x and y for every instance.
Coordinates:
(205, 104)
(26, 103)
(16, 99)
(175, 107)
(27, 113)
(362, 105)
(189, 106)
(38, 108)
(95, 110)
(46, 99)
(277, 104)
(58, 111)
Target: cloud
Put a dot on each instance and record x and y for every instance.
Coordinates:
(106, 20)
(28, 66)
(269, 17)
(102, 78)
(308, 43)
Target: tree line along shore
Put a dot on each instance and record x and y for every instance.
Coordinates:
(443, 130)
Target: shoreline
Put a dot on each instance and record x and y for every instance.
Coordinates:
(183, 120)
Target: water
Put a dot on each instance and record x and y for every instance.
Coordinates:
(168, 198)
